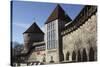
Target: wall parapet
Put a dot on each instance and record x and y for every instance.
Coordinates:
(81, 18)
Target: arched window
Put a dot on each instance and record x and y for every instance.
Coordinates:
(73, 56)
(67, 56)
(84, 55)
(91, 54)
(28, 35)
(79, 56)
(62, 57)
(44, 59)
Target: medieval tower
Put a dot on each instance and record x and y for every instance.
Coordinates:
(54, 25)
(31, 35)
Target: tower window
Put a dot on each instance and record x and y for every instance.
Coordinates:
(28, 35)
(51, 35)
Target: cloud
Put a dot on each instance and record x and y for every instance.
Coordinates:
(27, 25)
(22, 25)
(43, 28)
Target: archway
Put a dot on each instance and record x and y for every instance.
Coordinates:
(67, 56)
(79, 56)
(84, 55)
(51, 61)
(91, 54)
(74, 56)
(44, 59)
(61, 57)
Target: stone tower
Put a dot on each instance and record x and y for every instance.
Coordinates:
(31, 35)
(54, 25)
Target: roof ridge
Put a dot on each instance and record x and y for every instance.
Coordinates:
(58, 13)
(34, 28)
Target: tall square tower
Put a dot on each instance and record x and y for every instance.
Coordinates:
(53, 26)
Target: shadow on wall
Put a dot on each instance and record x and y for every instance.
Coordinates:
(82, 57)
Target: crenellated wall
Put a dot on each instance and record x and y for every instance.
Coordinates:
(82, 41)
(81, 18)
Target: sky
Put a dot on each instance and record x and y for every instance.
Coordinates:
(25, 13)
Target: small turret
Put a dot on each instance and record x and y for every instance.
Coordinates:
(31, 35)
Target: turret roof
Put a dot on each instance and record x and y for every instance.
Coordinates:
(34, 28)
(58, 13)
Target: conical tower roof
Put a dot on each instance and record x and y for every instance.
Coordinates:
(34, 28)
(58, 13)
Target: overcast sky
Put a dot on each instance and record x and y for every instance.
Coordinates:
(25, 13)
